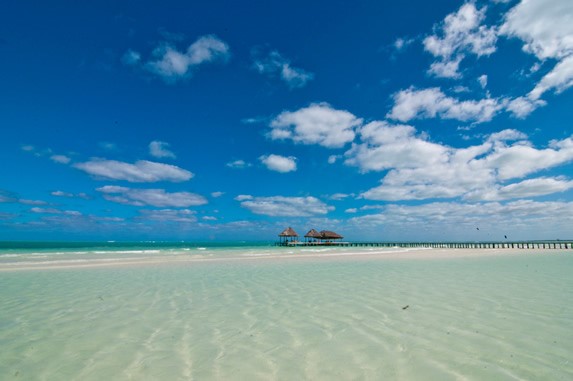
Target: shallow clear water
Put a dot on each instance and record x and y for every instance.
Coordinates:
(323, 318)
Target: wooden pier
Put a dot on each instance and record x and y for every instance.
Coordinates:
(442, 245)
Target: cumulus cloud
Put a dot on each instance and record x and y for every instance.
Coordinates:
(10, 197)
(55, 211)
(446, 69)
(160, 150)
(274, 64)
(62, 159)
(318, 123)
(419, 169)
(168, 215)
(238, 164)
(279, 163)
(521, 107)
(60, 193)
(217, 194)
(432, 102)
(279, 206)
(152, 197)
(460, 33)
(141, 171)
(546, 29)
(524, 189)
(172, 65)
(482, 80)
(401, 43)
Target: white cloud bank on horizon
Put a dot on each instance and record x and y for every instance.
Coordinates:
(142, 171)
(153, 197)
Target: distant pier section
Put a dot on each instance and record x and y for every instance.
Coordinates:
(290, 238)
(442, 245)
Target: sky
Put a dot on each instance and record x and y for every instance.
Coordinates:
(210, 120)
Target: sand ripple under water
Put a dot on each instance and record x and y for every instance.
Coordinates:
(461, 318)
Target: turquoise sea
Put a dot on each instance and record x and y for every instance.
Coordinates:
(163, 311)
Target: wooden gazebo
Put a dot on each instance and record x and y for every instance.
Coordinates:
(312, 235)
(287, 235)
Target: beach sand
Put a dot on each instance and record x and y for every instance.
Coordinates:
(279, 254)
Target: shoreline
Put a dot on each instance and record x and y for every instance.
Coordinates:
(184, 259)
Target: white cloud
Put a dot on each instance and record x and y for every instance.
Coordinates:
(62, 194)
(339, 196)
(168, 215)
(279, 163)
(55, 211)
(153, 197)
(318, 123)
(546, 29)
(529, 219)
(209, 218)
(389, 146)
(402, 43)
(521, 107)
(238, 164)
(446, 69)
(558, 79)
(274, 64)
(243, 197)
(279, 206)
(171, 64)
(482, 80)
(351, 210)
(419, 169)
(70, 195)
(524, 189)
(9, 197)
(160, 149)
(131, 57)
(217, 194)
(332, 159)
(62, 159)
(141, 171)
(460, 33)
(544, 26)
(432, 102)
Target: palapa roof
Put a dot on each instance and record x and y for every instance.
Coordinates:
(312, 234)
(288, 232)
(327, 234)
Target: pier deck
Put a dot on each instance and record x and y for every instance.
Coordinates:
(444, 245)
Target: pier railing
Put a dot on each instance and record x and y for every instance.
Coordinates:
(443, 245)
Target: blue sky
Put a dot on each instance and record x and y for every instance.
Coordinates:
(203, 120)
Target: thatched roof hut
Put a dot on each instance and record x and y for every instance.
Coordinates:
(287, 233)
(312, 234)
(327, 234)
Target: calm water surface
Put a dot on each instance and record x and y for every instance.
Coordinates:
(489, 318)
